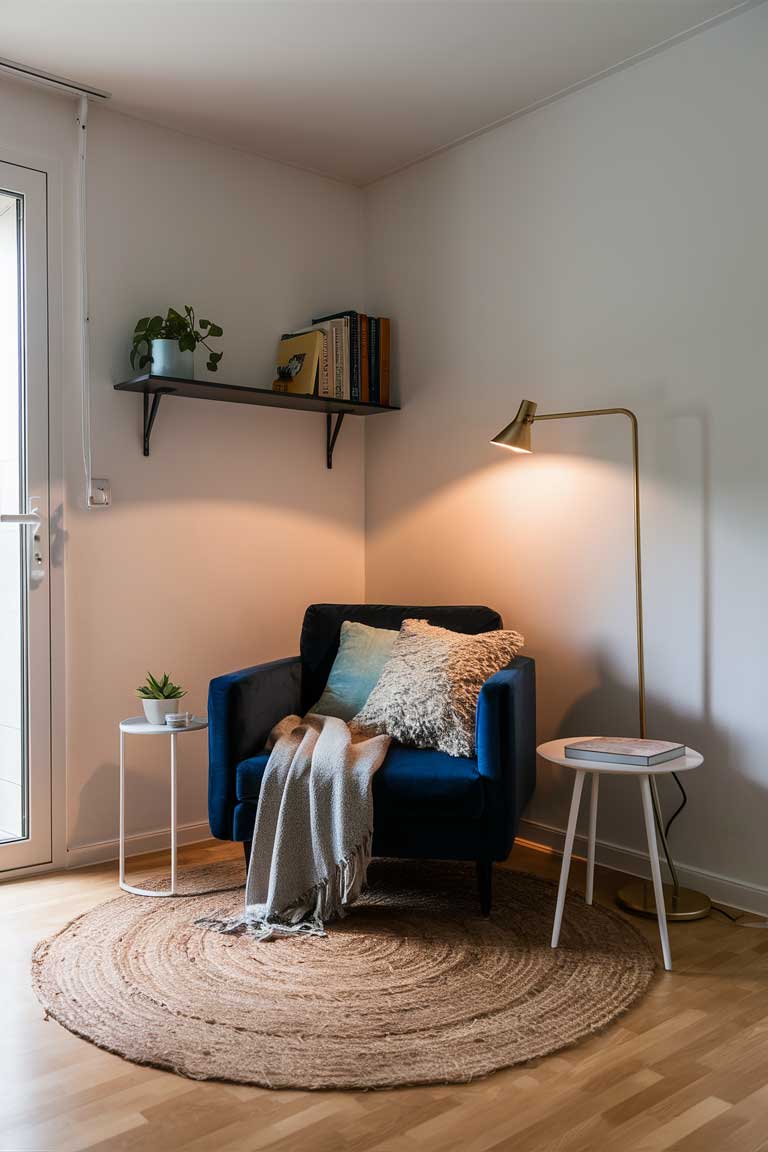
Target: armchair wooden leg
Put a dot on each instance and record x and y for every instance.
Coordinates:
(247, 851)
(485, 885)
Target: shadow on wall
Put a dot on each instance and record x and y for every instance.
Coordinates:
(613, 704)
(610, 709)
(230, 452)
(147, 789)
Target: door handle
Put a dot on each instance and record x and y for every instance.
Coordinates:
(20, 518)
(32, 520)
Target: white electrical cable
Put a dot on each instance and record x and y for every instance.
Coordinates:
(85, 358)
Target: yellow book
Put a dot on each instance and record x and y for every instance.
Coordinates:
(297, 363)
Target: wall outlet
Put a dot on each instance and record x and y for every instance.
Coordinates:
(100, 495)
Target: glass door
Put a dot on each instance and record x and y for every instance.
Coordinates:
(25, 670)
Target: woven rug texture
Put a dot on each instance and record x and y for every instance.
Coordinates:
(412, 987)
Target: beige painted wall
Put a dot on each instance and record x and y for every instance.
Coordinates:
(609, 249)
(217, 542)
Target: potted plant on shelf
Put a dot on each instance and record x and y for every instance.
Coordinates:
(159, 697)
(168, 343)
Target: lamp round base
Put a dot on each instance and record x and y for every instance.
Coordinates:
(638, 898)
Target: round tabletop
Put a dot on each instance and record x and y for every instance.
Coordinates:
(554, 751)
(138, 726)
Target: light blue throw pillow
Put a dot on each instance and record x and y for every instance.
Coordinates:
(363, 652)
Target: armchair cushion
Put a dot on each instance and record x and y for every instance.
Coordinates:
(248, 777)
(409, 777)
(412, 778)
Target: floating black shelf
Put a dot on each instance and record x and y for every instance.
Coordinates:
(158, 386)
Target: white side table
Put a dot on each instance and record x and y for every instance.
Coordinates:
(138, 726)
(554, 751)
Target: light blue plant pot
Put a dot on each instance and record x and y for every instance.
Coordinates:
(169, 360)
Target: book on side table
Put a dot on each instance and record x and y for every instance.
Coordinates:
(618, 750)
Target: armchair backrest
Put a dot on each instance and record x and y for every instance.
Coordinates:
(322, 628)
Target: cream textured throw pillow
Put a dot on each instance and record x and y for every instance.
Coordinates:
(427, 693)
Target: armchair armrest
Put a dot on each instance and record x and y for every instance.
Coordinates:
(243, 707)
(506, 745)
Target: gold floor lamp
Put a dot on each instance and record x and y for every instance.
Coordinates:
(680, 903)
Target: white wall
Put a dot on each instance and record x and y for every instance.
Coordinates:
(610, 249)
(216, 543)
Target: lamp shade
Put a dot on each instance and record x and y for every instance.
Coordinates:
(517, 435)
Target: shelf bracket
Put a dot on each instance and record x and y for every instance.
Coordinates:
(151, 412)
(330, 436)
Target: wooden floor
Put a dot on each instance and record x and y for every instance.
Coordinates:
(685, 1070)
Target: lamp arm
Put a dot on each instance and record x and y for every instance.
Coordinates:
(638, 564)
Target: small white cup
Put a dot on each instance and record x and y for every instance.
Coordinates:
(177, 719)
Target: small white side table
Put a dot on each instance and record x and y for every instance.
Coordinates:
(554, 751)
(138, 726)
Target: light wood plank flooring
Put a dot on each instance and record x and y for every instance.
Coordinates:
(685, 1070)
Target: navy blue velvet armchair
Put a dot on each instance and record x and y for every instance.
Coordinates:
(427, 805)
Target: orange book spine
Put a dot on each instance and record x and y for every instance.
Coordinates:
(384, 361)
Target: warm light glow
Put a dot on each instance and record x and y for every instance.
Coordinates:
(513, 448)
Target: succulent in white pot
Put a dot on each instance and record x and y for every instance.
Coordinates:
(159, 697)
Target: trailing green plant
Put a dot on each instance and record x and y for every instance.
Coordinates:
(186, 330)
(163, 689)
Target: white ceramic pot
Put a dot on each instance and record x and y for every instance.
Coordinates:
(156, 711)
(169, 360)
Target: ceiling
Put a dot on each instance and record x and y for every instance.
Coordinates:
(352, 88)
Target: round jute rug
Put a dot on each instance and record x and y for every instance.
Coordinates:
(413, 987)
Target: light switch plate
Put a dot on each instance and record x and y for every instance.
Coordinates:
(100, 495)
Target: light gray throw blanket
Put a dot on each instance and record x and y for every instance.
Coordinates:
(314, 825)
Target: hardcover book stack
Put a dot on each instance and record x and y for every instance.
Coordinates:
(345, 356)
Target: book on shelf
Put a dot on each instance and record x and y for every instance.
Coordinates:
(373, 358)
(620, 750)
(384, 361)
(323, 384)
(365, 394)
(340, 332)
(350, 321)
(353, 359)
(298, 359)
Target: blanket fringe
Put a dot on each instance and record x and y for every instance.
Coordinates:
(327, 900)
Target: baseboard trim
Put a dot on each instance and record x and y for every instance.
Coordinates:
(720, 889)
(136, 845)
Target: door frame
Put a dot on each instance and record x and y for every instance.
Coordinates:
(60, 359)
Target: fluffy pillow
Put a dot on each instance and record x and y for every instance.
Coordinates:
(362, 654)
(427, 692)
